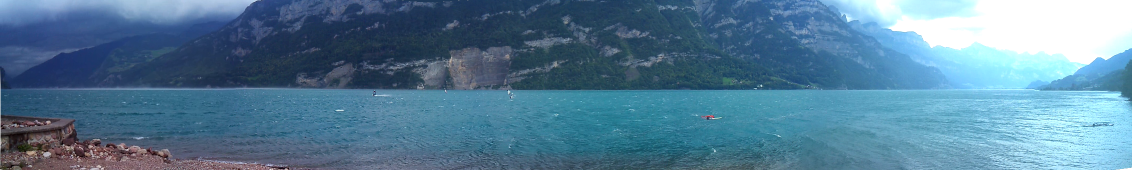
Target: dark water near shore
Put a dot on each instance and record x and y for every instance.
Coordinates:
(1001, 129)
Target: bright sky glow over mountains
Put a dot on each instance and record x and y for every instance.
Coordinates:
(1081, 30)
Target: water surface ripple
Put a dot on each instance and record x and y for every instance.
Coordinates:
(949, 129)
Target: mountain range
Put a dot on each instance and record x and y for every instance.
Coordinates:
(93, 67)
(1103, 66)
(976, 66)
(1101, 74)
(520, 44)
(26, 45)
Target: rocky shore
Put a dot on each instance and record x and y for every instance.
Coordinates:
(93, 155)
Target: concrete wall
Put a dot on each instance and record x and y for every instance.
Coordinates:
(56, 132)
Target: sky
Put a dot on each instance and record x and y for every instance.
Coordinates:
(1082, 30)
(46, 28)
(21, 12)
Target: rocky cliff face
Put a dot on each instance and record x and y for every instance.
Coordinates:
(339, 77)
(472, 68)
(435, 74)
(538, 44)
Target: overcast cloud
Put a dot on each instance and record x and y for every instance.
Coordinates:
(21, 12)
(887, 12)
(1081, 30)
(36, 30)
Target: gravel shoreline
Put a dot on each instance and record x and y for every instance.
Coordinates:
(92, 155)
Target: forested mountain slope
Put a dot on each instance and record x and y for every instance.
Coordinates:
(1101, 75)
(99, 66)
(536, 44)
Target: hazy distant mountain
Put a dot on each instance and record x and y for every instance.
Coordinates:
(535, 44)
(4, 79)
(1102, 66)
(1101, 74)
(24, 46)
(976, 66)
(97, 66)
(1037, 84)
(1112, 81)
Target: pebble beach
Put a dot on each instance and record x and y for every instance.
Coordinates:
(93, 155)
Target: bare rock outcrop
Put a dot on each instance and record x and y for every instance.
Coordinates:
(338, 78)
(305, 80)
(341, 76)
(624, 32)
(472, 68)
(548, 42)
(522, 74)
(433, 74)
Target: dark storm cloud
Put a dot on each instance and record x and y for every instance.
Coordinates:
(22, 12)
(34, 31)
(887, 13)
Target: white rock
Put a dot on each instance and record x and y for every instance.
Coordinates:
(165, 153)
(134, 149)
(46, 154)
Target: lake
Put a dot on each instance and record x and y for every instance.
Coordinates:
(432, 129)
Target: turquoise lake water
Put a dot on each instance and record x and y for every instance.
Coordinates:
(409, 129)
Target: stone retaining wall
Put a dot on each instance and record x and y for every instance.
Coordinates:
(54, 133)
